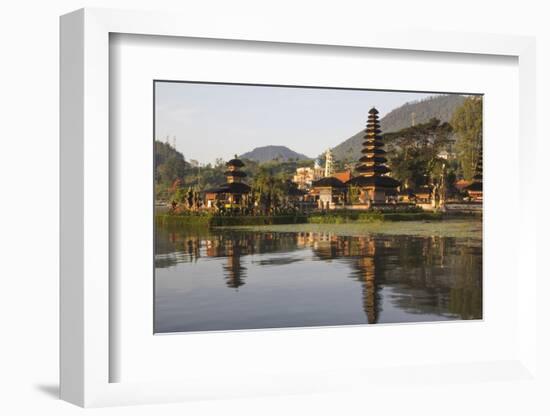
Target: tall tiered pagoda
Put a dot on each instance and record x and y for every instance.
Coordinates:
(234, 192)
(373, 181)
(475, 189)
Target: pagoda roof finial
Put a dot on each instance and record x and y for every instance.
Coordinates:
(373, 110)
(236, 162)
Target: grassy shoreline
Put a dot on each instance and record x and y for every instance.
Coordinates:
(327, 218)
(227, 221)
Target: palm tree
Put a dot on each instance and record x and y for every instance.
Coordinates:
(438, 175)
(269, 190)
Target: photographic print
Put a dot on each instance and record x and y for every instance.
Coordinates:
(288, 206)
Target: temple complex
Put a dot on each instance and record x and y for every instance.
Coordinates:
(318, 187)
(373, 181)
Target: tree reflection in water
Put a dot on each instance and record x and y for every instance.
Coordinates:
(439, 276)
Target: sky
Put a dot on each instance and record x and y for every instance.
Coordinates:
(211, 121)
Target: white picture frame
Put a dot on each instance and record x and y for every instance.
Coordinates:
(86, 355)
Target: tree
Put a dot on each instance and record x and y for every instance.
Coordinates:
(414, 149)
(169, 164)
(439, 178)
(467, 124)
(354, 193)
(269, 189)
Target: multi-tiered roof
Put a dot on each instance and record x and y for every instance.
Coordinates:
(477, 184)
(234, 177)
(233, 172)
(372, 167)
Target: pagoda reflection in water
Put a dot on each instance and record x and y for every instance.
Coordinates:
(366, 273)
(431, 274)
(234, 271)
(360, 253)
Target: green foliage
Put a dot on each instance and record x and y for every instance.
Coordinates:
(211, 220)
(195, 219)
(269, 189)
(353, 194)
(179, 196)
(413, 153)
(169, 164)
(345, 217)
(467, 123)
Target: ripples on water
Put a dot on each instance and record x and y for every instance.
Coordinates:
(222, 280)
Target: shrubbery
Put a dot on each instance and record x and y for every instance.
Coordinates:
(212, 220)
(205, 219)
(190, 219)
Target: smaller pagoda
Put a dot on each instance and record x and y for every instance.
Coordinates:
(234, 193)
(373, 181)
(475, 189)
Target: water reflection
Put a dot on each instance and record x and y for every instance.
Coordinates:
(399, 279)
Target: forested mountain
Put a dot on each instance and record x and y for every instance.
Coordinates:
(269, 153)
(438, 107)
(169, 163)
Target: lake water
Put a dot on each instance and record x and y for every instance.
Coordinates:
(300, 276)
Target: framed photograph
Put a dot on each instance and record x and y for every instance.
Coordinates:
(263, 213)
(384, 226)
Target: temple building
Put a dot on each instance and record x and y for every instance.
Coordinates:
(406, 195)
(475, 189)
(373, 181)
(329, 192)
(234, 193)
(424, 194)
(343, 175)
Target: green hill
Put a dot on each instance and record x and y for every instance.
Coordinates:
(169, 163)
(270, 153)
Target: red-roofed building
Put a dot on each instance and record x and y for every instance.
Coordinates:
(343, 176)
(461, 184)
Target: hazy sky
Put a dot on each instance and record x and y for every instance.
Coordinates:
(212, 121)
